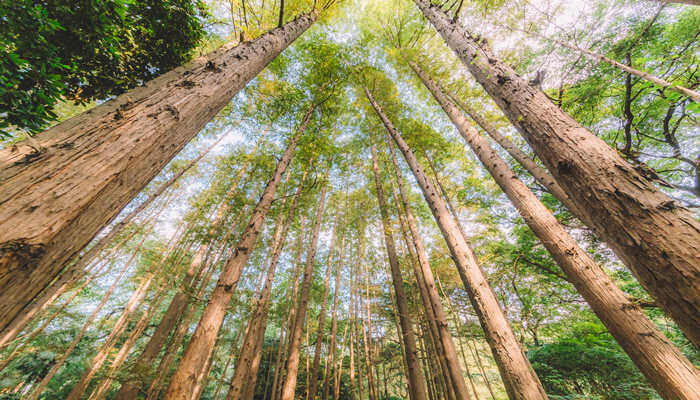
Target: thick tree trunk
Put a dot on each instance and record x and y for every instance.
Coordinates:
(178, 304)
(518, 376)
(293, 354)
(54, 200)
(202, 343)
(657, 240)
(416, 382)
(245, 374)
(451, 360)
(671, 374)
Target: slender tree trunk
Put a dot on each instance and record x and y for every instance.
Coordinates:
(245, 374)
(425, 274)
(120, 357)
(518, 376)
(313, 384)
(292, 367)
(339, 365)
(137, 296)
(416, 382)
(658, 240)
(671, 374)
(41, 386)
(201, 345)
(180, 301)
(99, 160)
(353, 315)
(330, 358)
(367, 338)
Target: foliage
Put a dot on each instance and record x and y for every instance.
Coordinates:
(86, 50)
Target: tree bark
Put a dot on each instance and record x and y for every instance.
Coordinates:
(54, 200)
(518, 376)
(202, 343)
(416, 382)
(425, 274)
(245, 374)
(657, 240)
(671, 374)
(293, 354)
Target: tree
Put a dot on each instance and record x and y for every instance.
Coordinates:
(648, 231)
(106, 158)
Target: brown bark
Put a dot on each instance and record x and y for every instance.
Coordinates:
(313, 384)
(180, 301)
(54, 200)
(518, 376)
(202, 343)
(671, 374)
(293, 353)
(425, 276)
(245, 374)
(367, 339)
(416, 382)
(658, 240)
(339, 365)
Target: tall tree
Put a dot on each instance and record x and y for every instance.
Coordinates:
(293, 353)
(667, 369)
(655, 238)
(520, 380)
(416, 381)
(201, 345)
(99, 160)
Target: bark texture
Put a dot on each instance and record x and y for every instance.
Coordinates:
(656, 238)
(55, 199)
(671, 374)
(519, 378)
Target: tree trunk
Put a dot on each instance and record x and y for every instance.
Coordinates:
(178, 304)
(518, 376)
(367, 338)
(330, 358)
(292, 367)
(245, 375)
(657, 240)
(202, 343)
(56, 199)
(313, 384)
(671, 374)
(425, 276)
(120, 357)
(416, 382)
